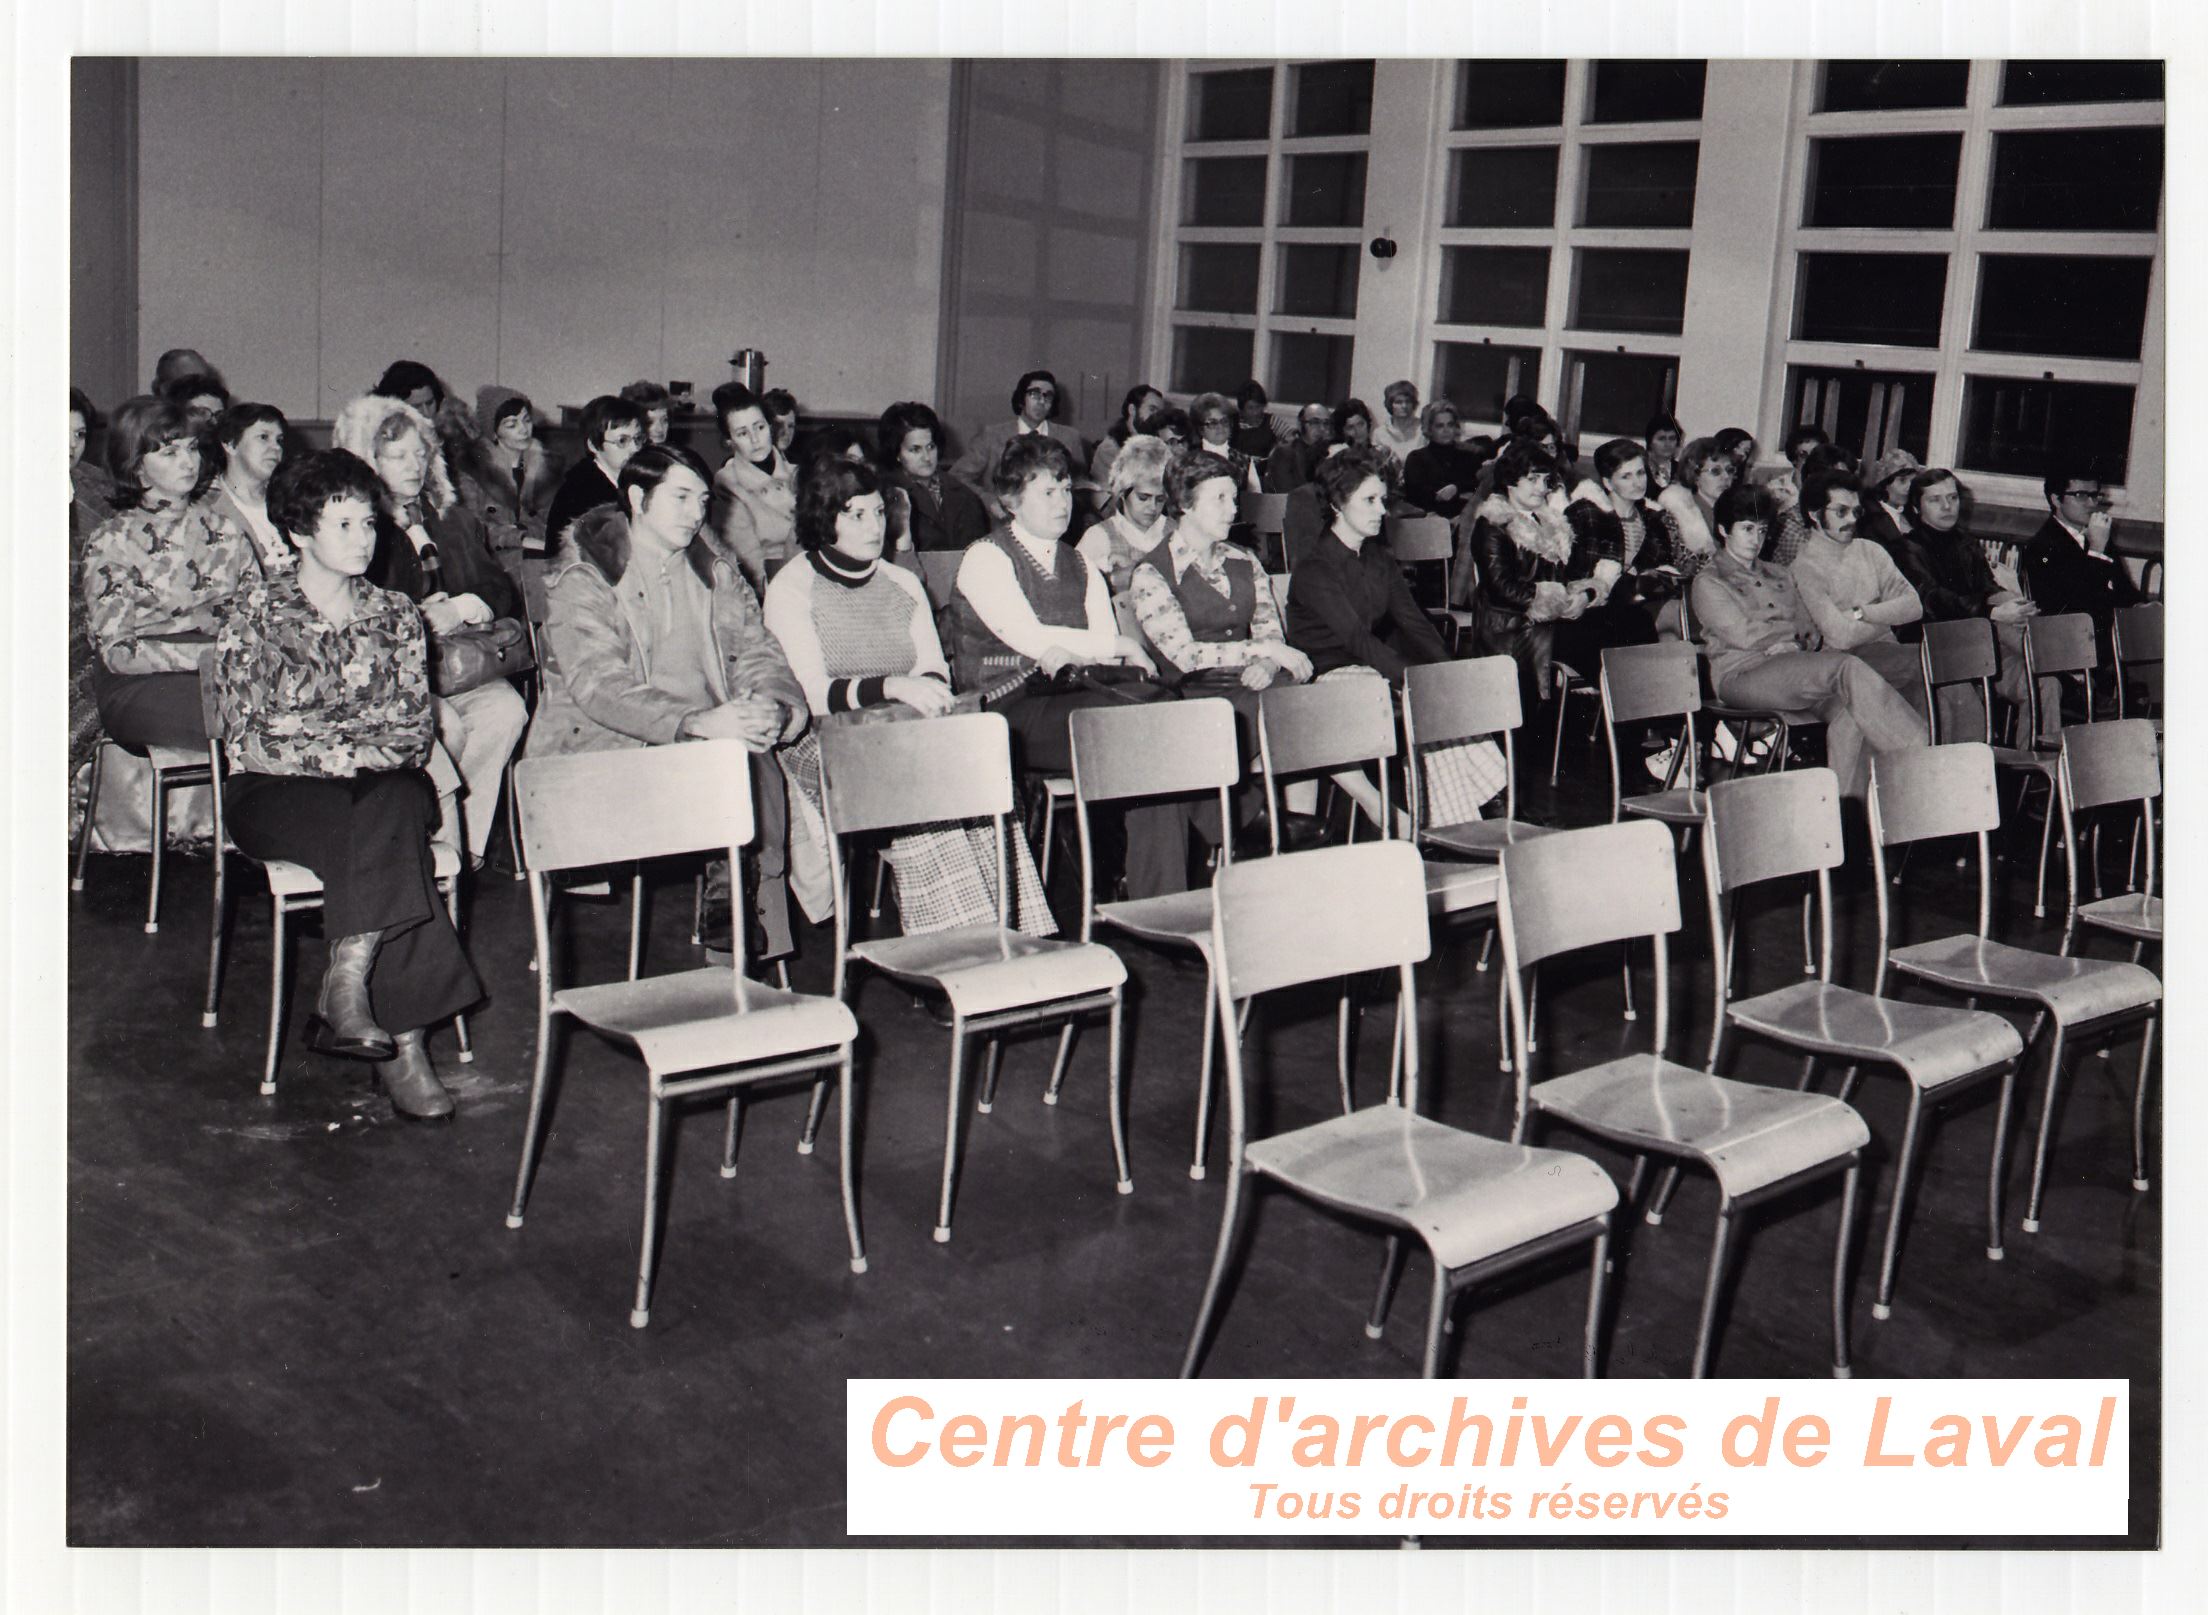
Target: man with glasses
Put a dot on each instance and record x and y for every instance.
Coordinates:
(1034, 403)
(1297, 461)
(2067, 567)
(1853, 591)
(613, 430)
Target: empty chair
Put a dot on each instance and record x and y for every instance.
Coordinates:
(699, 1032)
(1949, 791)
(1448, 702)
(881, 777)
(1163, 748)
(2135, 646)
(1642, 682)
(1423, 541)
(1780, 825)
(1955, 653)
(2053, 647)
(1481, 1207)
(168, 768)
(1266, 515)
(2108, 765)
(1757, 1142)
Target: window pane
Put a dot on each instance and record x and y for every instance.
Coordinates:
(1223, 190)
(1333, 98)
(1503, 188)
(1641, 187)
(1231, 106)
(1618, 392)
(1326, 189)
(1866, 412)
(2019, 427)
(1477, 377)
(1900, 182)
(1887, 298)
(1510, 95)
(2092, 308)
(2087, 179)
(1318, 280)
(1309, 368)
(1623, 289)
(1647, 92)
(1206, 359)
(1219, 279)
(1494, 285)
(1894, 86)
(2041, 84)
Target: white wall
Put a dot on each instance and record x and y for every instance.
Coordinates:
(559, 226)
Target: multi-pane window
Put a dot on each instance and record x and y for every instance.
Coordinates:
(1273, 164)
(1567, 204)
(1974, 260)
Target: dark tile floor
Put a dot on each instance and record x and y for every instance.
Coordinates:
(295, 1320)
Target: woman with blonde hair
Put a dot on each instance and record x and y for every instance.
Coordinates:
(1706, 470)
(1138, 520)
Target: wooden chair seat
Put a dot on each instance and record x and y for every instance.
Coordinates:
(984, 969)
(694, 1019)
(2073, 990)
(1932, 1044)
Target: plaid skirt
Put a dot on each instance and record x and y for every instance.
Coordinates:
(1459, 779)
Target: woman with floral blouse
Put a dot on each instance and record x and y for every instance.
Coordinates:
(323, 685)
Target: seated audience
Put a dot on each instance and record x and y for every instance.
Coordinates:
(781, 412)
(653, 636)
(1400, 433)
(1295, 460)
(1439, 476)
(1029, 604)
(860, 638)
(1664, 437)
(1142, 401)
(412, 382)
(1786, 488)
(1034, 412)
(251, 437)
(941, 512)
(155, 576)
(1136, 522)
(613, 429)
(430, 548)
(203, 399)
(1256, 432)
(1705, 472)
(1353, 429)
(755, 491)
(1740, 443)
(1853, 591)
(1795, 527)
(1614, 519)
(1765, 650)
(1214, 418)
(176, 364)
(1171, 427)
(1206, 611)
(1349, 605)
(91, 502)
(516, 481)
(1886, 494)
(658, 405)
(2067, 566)
(323, 680)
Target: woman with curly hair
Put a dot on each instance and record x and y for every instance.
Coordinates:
(1614, 519)
(1137, 519)
(1706, 471)
(941, 513)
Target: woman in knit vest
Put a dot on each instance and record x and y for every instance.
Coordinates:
(1138, 523)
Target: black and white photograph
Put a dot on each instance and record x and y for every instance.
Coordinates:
(741, 722)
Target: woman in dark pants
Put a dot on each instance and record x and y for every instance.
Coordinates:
(324, 687)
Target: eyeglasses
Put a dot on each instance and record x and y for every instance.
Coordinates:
(622, 440)
(1041, 392)
(2092, 496)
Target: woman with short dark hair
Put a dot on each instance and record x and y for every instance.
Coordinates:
(1615, 519)
(941, 513)
(252, 441)
(1257, 431)
(323, 684)
(516, 480)
(1439, 476)
(412, 382)
(658, 405)
(1664, 437)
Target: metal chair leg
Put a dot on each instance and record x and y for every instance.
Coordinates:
(654, 1139)
(91, 811)
(950, 1129)
(1342, 1049)
(275, 995)
(532, 1134)
(1625, 973)
(843, 1162)
(1711, 1283)
(1230, 1227)
(1502, 1023)
(513, 825)
(1437, 1318)
(881, 879)
(1840, 1369)
(466, 1052)
(1203, 1076)
(697, 913)
(992, 1055)
(1487, 947)
(1996, 1167)
(1050, 822)
(1598, 1271)
(1661, 1199)
(217, 928)
(1809, 947)
(2046, 841)
(2046, 1128)
(636, 923)
(1115, 1095)
(1561, 693)
(1883, 1307)
(1391, 1268)
(732, 1129)
(1059, 1063)
(157, 833)
(816, 1105)
(2139, 1108)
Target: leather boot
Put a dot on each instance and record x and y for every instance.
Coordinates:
(343, 1022)
(411, 1081)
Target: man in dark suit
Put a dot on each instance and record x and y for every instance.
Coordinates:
(613, 429)
(2066, 566)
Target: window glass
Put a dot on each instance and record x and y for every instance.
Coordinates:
(1892, 299)
(1866, 412)
(1206, 358)
(1510, 95)
(1235, 105)
(2041, 84)
(1641, 187)
(1628, 289)
(2076, 179)
(2089, 308)
(1317, 280)
(1333, 98)
(1309, 367)
(2020, 427)
(1857, 86)
(1219, 279)
(1896, 182)
(1326, 188)
(1647, 92)
(1223, 190)
(1494, 285)
(1618, 392)
(1478, 376)
(1502, 188)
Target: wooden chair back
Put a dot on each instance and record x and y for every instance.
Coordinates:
(618, 807)
(1763, 827)
(885, 776)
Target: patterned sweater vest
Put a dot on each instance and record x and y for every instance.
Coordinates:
(1059, 600)
(865, 632)
(1213, 618)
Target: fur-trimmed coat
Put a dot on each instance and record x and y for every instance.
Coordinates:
(599, 637)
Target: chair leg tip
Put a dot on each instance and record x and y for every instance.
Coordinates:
(1654, 1219)
(208, 1020)
(1481, 967)
(988, 1106)
(1995, 1253)
(728, 1171)
(1842, 1371)
(1196, 1171)
(153, 927)
(1050, 1096)
(804, 1147)
(1632, 1014)
(467, 1056)
(268, 1088)
(2139, 1185)
(513, 1219)
(76, 884)
(639, 1317)
(1125, 1185)
(2031, 1225)
(942, 1233)
(1882, 1310)
(858, 1264)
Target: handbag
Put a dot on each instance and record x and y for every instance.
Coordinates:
(467, 657)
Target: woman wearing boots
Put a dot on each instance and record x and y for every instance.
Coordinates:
(324, 688)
